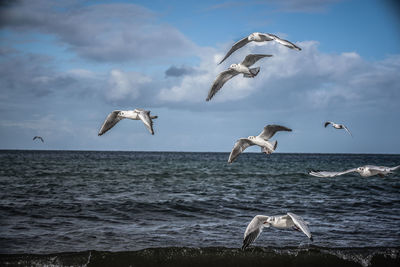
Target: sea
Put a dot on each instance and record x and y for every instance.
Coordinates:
(110, 208)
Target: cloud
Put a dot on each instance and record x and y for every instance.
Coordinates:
(174, 71)
(116, 32)
(125, 85)
(305, 79)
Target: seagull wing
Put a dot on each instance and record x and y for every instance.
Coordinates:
(329, 174)
(347, 130)
(235, 47)
(253, 58)
(238, 148)
(327, 123)
(301, 224)
(270, 130)
(112, 119)
(144, 115)
(253, 230)
(251, 237)
(267, 36)
(394, 168)
(286, 43)
(221, 79)
(38, 137)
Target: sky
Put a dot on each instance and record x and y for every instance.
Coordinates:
(65, 65)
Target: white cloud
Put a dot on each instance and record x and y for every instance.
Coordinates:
(125, 85)
(306, 78)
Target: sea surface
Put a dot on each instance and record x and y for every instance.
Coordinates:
(125, 204)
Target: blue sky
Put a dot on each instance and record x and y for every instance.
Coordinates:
(65, 65)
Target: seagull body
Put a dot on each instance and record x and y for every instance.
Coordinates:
(235, 69)
(288, 221)
(261, 140)
(364, 171)
(38, 137)
(136, 114)
(337, 126)
(259, 37)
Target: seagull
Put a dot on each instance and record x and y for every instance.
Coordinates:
(259, 37)
(364, 171)
(234, 70)
(136, 114)
(338, 126)
(288, 221)
(38, 137)
(260, 140)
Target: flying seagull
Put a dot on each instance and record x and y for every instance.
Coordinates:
(288, 221)
(260, 140)
(364, 171)
(137, 114)
(38, 137)
(259, 37)
(338, 126)
(234, 70)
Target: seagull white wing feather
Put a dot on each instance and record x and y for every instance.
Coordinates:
(253, 58)
(300, 223)
(324, 174)
(239, 147)
(144, 116)
(221, 79)
(235, 47)
(394, 168)
(112, 119)
(270, 130)
(285, 43)
(347, 130)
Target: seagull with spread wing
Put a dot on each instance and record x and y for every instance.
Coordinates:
(288, 221)
(235, 69)
(260, 140)
(364, 171)
(38, 137)
(259, 37)
(338, 126)
(137, 114)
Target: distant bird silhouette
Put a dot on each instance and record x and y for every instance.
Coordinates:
(259, 37)
(38, 137)
(338, 126)
(136, 114)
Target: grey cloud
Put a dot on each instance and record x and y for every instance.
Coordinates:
(102, 32)
(174, 71)
(294, 80)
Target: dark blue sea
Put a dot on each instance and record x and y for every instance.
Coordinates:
(77, 208)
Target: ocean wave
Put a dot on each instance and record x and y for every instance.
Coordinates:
(215, 256)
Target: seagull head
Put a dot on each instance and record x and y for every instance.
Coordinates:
(251, 137)
(267, 222)
(360, 169)
(233, 67)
